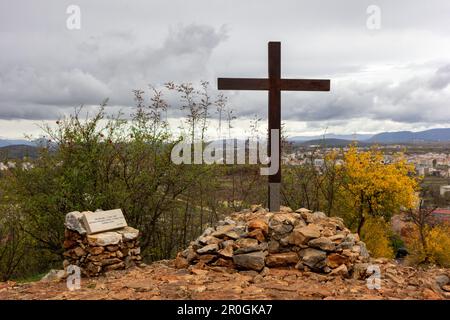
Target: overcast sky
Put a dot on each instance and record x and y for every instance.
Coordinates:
(393, 78)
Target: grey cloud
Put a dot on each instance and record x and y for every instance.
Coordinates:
(100, 71)
(441, 79)
(46, 70)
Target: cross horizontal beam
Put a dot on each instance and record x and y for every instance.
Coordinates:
(264, 84)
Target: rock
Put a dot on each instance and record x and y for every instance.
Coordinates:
(207, 258)
(257, 234)
(340, 271)
(104, 238)
(337, 238)
(260, 247)
(54, 275)
(181, 262)
(96, 250)
(191, 255)
(69, 244)
(208, 231)
(112, 248)
(301, 235)
(360, 271)
(227, 263)
(393, 278)
(283, 218)
(322, 243)
(334, 260)
(258, 224)
(446, 288)
(253, 261)
(210, 248)
(273, 246)
(256, 208)
(135, 251)
(352, 237)
(285, 209)
(100, 257)
(316, 217)
(303, 210)
(128, 233)
(345, 245)
(428, 294)
(74, 221)
(338, 223)
(226, 252)
(281, 224)
(79, 251)
(442, 280)
(246, 242)
(364, 253)
(282, 259)
(106, 262)
(280, 229)
(209, 240)
(230, 231)
(116, 266)
(312, 257)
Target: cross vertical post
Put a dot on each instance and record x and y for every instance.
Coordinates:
(274, 115)
(274, 84)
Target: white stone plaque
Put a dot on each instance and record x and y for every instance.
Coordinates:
(100, 221)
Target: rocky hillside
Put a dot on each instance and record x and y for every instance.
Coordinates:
(257, 254)
(162, 280)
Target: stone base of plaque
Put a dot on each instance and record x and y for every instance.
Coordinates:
(100, 252)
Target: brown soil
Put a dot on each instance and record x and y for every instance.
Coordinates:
(161, 280)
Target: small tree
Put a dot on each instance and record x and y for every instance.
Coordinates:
(372, 188)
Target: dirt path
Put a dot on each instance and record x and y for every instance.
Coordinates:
(162, 281)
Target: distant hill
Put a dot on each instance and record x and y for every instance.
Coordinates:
(351, 137)
(18, 152)
(8, 142)
(332, 142)
(432, 135)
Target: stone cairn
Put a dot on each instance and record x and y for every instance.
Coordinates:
(255, 239)
(100, 252)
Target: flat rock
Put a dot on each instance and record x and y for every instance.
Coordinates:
(282, 259)
(54, 275)
(210, 248)
(104, 238)
(334, 260)
(340, 271)
(301, 235)
(128, 233)
(312, 257)
(322, 243)
(252, 261)
(256, 224)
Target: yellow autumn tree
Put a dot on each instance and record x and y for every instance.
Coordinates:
(373, 188)
(436, 248)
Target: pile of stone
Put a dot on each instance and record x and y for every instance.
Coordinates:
(100, 252)
(255, 239)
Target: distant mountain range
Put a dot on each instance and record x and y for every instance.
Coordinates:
(7, 142)
(351, 137)
(432, 135)
(18, 148)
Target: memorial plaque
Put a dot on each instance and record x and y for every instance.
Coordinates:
(100, 221)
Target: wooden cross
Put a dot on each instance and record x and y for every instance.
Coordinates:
(274, 84)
